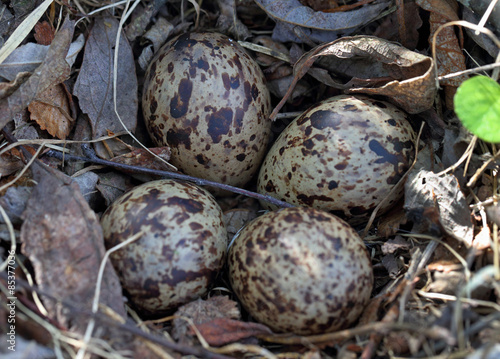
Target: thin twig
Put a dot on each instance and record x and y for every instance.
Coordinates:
(136, 169)
(105, 320)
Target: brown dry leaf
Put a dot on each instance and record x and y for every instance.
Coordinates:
(202, 311)
(44, 33)
(94, 86)
(377, 67)
(63, 239)
(142, 158)
(222, 331)
(449, 55)
(52, 71)
(52, 113)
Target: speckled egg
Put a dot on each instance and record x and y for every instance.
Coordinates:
(207, 99)
(343, 155)
(181, 250)
(301, 270)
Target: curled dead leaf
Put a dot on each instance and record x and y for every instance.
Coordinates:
(376, 67)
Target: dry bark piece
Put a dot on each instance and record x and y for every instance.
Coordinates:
(376, 67)
(94, 86)
(52, 113)
(63, 239)
(52, 71)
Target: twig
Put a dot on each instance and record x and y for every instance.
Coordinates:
(91, 157)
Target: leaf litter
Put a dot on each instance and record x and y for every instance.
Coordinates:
(436, 255)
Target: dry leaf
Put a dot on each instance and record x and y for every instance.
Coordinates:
(112, 185)
(393, 245)
(202, 311)
(142, 158)
(94, 86)
(381, 67)
(52, 113)
(159, 33)
(449, 55)
(14, 202)
(8, 88)
(391, 265)
(63, 239)
(44, 33)
(235, 219)
(390, 222)
(10, 162)
(436, 202)
(228, 22)
(27, 58)
(388, 29)
(299, 23)
(222, 331)
(52, 71)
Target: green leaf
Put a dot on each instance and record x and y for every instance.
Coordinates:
(477, 105)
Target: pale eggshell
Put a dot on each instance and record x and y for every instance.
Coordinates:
(207, 99)
(181, 251)
(301, 270)
(343, 155)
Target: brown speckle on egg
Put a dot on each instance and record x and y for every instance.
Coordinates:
(348, 151)
(210, 78)
(181, 250)
(301, 270)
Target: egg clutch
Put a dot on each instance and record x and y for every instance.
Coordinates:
(303, 270)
